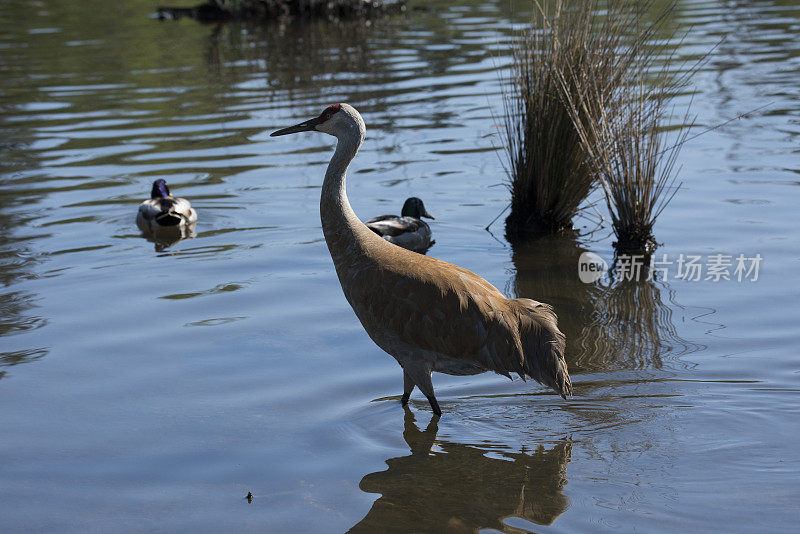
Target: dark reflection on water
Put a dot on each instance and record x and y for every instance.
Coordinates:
(164, 238)
(382, 66)
(15, 309)
(17, 263)
(632, 325)
(16, 317)
(609, 324)
(458, 488)
(319, 50)
(8, 359)
(547, 270)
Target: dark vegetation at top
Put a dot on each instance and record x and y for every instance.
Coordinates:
(221, 10)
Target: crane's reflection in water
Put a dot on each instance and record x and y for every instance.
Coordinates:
(610, 324)
(458, 488)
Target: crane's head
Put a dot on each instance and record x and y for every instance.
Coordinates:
(336, 120)
(160, 189)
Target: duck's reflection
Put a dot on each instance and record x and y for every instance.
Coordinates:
(609, 324)
(458, 488)
(164, 238)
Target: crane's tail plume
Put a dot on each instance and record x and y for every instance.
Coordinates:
(543, 346)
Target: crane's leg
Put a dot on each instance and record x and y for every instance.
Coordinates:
(408, 387)
(420, 375)
(434, 405)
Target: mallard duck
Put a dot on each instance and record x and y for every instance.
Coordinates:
(163, 210)
(407, 230)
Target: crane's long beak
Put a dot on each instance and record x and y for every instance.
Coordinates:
(307, 126)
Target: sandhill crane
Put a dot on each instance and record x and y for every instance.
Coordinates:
(428, 314)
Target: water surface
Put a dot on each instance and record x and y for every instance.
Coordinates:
(150, 386)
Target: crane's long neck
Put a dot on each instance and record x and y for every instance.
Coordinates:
(340, 225)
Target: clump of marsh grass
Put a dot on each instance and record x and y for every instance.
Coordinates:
(636, 168)
(631, 149)
(550, 172)
(571, 121)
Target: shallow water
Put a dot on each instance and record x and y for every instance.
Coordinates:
(150, 387)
